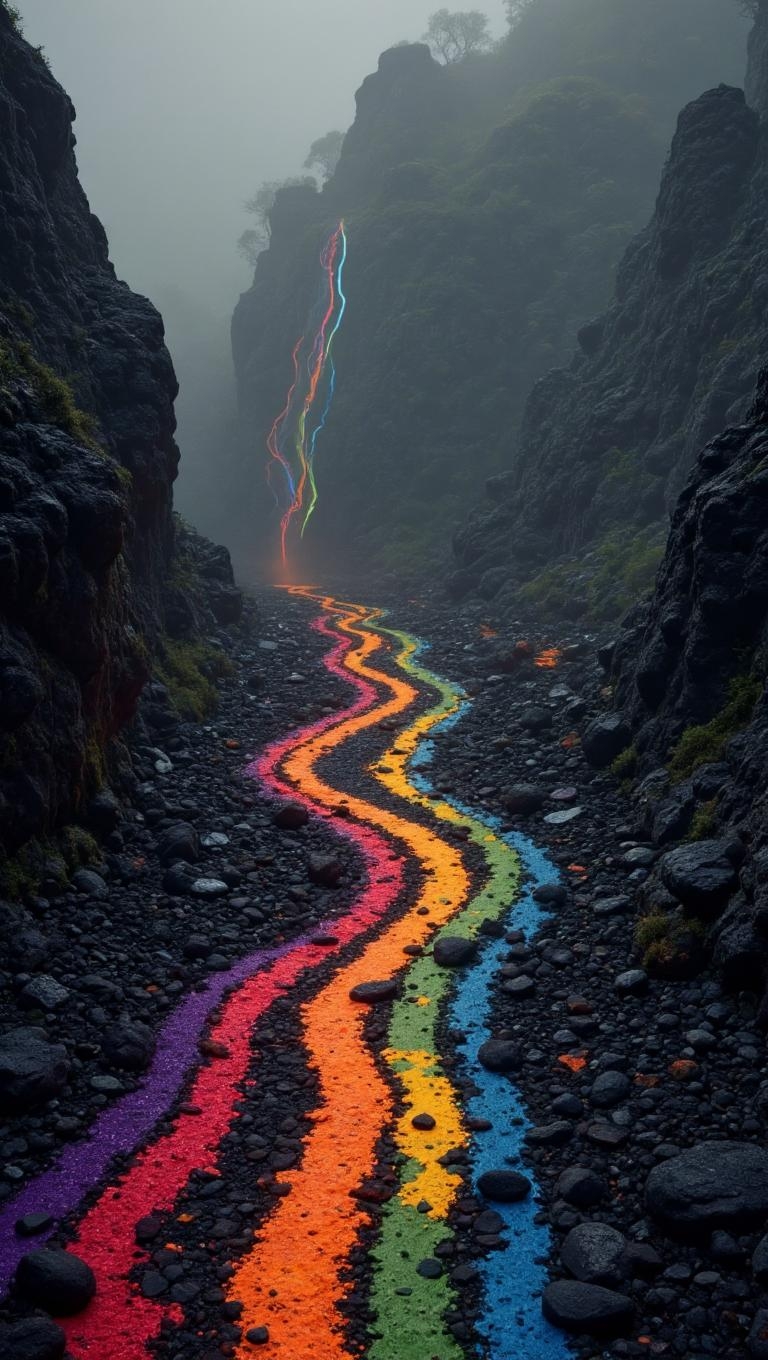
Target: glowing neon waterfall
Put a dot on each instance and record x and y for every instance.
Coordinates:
(291, 447)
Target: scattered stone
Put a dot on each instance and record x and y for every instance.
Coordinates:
(551, 895)
(507, 1187)
(32, 1070)
(595, 1253)
(128, 1044)
(451, 951)
(521, 800)
(632, 983)
(257, 1336)
(208, 887)
(605, 739)
(581, 1187)
(43, 993)
(324, 870)
(610, 1089)
(561, 818)
(430, 1268)
(291, 817)
(90, 883)
(371, 993)
(520, 988)
(179, 842)
(587, 1308)
(55, 1280)
(423, 1122)
(711, 1185)
(500, 1055)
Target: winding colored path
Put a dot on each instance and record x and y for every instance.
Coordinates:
(432, 867)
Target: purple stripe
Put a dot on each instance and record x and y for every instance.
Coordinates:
(129, 1120)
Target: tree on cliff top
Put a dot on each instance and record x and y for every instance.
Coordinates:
(257, 238)
(325, 153)
(453, 34)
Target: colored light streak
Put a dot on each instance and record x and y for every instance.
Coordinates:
(316, 377)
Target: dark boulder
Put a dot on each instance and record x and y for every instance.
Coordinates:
(523, 799)
(504, 1186)
(595, 1253)
(701, 875)
(290, 817)
(711, 1185)
(587, 1309)
(34, 1338)
(452, 951)
(128, 1044)
(581, 1187)
(605, 739)
(32, 1071)
(179, 842)
(57, 1281)
(501, 1055)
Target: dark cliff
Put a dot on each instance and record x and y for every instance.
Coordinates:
(87, 463)
(689, 672)
(487, 205)
(607, 444)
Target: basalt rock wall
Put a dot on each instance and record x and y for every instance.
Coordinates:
(87, 463)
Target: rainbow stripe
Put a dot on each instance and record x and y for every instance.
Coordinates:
(294, 1278)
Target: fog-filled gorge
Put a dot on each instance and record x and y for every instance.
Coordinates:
(383, 716)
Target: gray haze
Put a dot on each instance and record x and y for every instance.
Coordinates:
(184, 108)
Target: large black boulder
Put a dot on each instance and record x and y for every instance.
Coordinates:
(711, 1185)
(32, 1070)
(587, 1309)
(605, 739)
(55, 1280)
(701, 875)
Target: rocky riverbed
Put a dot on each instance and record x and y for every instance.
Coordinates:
(135, 988)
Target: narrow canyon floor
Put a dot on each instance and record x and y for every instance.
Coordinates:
(345, 1047)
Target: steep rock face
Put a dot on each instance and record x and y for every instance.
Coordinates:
(87, 462)
(609, 441)
(486, 209)
(690, 670)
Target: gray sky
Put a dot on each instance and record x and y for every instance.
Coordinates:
(185, 106)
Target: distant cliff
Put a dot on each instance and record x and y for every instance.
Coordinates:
(607, 444)
(487, 205)
(87, 463)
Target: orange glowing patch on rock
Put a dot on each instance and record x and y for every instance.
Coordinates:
(683, 1069)
(548, 659)
(578, 869)
(573, 739)
(232, 745)
(646, 1079)
(572, 1062)
(487, 632)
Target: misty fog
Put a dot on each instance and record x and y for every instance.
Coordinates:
(183, 108)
